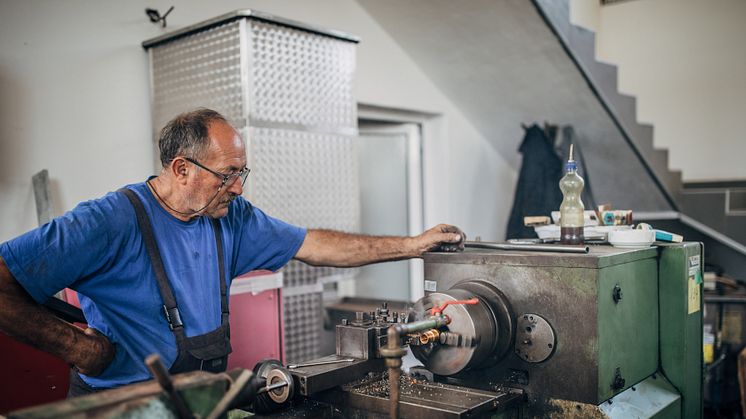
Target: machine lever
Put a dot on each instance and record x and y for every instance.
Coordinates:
(438, 310)
(313, 364)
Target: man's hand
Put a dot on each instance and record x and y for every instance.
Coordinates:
(443, 237)
(94, 354)
(22, 318)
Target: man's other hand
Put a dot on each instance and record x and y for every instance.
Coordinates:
(95, 354)
(443, 237)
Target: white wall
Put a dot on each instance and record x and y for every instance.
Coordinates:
(74, 98)
(685, 61)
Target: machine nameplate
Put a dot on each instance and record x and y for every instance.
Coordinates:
(431, 286)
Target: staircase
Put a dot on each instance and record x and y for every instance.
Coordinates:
(580, 44)
(711, 212)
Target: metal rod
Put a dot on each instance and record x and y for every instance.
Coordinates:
(272, 387)
(313, 364)
(560, 248)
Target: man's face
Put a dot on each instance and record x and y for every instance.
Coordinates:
(226, 155)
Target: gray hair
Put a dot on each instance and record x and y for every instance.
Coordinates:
(186, 135)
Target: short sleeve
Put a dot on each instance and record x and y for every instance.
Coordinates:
(61, 252)
(261, 241)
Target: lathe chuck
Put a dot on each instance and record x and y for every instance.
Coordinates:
(478, 335)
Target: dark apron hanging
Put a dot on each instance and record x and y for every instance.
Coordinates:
(207, 352)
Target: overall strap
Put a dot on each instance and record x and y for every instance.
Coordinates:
(167, 294)
(221, 270)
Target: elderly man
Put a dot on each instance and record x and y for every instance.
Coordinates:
(153, 261)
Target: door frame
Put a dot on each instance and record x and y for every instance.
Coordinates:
(426, 168)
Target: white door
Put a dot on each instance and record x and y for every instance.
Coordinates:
(390, 173)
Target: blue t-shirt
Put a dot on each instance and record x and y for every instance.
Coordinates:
(97, 250)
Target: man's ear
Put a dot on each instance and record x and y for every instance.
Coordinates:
(179, 169)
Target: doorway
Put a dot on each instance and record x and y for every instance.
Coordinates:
(391, 200)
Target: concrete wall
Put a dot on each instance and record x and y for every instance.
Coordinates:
(685, 61)
(74, 99)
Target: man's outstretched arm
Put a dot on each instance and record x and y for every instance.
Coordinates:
(334, 248)
(22, 318)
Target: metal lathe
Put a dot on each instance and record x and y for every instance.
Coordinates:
(502, 334)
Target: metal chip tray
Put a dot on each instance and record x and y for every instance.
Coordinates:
(424, 399)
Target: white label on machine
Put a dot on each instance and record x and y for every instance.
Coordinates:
(693, 265)
(431, 286)
(694, 283)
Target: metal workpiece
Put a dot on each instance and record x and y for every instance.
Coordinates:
(533, 247)
(280, 385)
(429, 336)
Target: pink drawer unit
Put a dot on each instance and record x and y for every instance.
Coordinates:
(256, 319)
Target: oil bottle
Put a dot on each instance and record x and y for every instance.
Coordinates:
(571, 209)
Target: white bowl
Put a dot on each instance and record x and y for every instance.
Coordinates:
(631, 239)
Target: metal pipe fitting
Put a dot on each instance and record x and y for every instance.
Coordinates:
(432, 335)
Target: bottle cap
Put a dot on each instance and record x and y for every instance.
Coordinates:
(570, 165)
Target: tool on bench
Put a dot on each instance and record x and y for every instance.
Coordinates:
(155, 365)
(560, 248)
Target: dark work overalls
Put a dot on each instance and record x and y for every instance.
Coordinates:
(207, 352)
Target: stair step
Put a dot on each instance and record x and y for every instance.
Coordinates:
(643, 134)
(625, 109)
(658, 159)
(673, 183)
(606, 76)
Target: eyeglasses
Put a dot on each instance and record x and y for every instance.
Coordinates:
(228, 180)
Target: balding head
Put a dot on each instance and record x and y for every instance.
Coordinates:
(187, 135)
